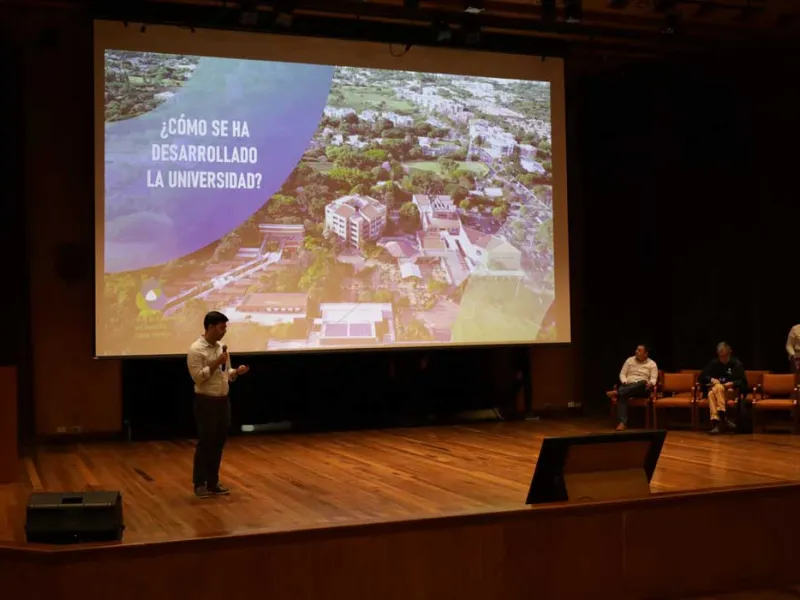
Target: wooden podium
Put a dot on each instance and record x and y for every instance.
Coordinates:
(9, 442)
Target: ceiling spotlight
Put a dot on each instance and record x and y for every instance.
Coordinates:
(248, 17)
(284, 19)
(472, 34)
(284, 13)
(474, 7)
(573, 11)
(442, 32)
(672, 24)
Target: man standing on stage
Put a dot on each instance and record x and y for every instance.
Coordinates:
(638, 376)
(723, 375)
(793, 348)
(210, 368)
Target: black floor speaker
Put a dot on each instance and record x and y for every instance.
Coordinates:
(74, 517)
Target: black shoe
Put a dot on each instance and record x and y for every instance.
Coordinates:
(716, 429)
(201, 491)
(219, 490)
(730, 426)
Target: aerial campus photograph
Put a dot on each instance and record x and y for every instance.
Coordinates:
(421, 212)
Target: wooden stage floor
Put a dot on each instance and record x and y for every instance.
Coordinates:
(300, 481)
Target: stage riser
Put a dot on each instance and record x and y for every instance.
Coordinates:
(668, 546)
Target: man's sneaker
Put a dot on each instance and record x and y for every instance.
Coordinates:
(730, 425)
(716, 429)
(201, 491)
(219, 490)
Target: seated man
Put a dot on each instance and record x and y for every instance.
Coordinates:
(793, 348)
(721, 375)
(638, 376)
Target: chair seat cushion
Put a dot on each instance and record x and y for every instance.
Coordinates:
(774, 404)
(677, 400)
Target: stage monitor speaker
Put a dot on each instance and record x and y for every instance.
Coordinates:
(611, 466)
(74, 517)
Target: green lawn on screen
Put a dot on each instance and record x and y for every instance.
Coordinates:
(476, 168)
(499, 310)
(372, 98)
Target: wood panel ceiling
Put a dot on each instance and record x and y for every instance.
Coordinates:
(714, 14)
(699, 24)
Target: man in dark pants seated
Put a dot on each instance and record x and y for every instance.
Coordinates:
(638, 376)
(722, 375)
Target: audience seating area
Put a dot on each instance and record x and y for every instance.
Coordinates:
(768, 394)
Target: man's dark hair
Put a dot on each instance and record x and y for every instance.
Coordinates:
(214, 318)
(645, 346)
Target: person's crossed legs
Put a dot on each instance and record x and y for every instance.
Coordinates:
(624, 394)
(717, 404)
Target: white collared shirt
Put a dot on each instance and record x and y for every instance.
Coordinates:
(633, 371)
(793, 342)
(201, 355)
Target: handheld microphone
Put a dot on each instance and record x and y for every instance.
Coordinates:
(225, 364)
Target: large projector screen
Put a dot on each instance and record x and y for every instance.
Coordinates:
(325, 194)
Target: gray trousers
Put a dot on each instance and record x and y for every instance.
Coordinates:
(213, 416)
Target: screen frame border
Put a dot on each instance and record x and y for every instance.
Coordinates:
(360, 54)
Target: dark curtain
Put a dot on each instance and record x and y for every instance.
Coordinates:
(690, 212)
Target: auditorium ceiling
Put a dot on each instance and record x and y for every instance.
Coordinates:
(628, 23)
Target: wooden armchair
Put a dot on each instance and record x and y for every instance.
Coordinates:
(737, 403)
(754, 380)
(776, 393)
(645, 403)
(676, 390)
(694, 372)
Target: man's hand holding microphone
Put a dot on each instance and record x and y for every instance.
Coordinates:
(222, 363)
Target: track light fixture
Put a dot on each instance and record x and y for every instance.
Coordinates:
(573, 11)
(472, 32)
(672, 24)
(284, 14)
(248, 16)
(474, 7)
(441, 32)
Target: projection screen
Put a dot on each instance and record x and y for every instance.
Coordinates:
(325, 194)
